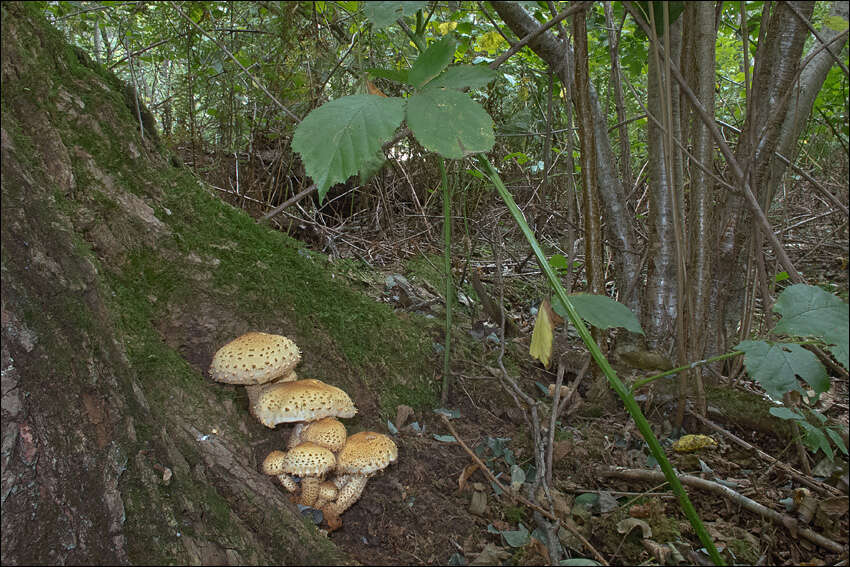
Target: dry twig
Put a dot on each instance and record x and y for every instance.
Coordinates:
(519, 498)
(782, 519)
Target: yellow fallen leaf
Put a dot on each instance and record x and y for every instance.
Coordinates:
(544, 332)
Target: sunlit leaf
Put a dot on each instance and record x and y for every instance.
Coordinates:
(340, 137)
(543, 334)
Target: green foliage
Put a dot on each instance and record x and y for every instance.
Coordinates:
(776, 365)
(432, 61)
(449, 123)
(811, 311)
(382, 14)
(817, 435)
(337, 139)
(600, 311)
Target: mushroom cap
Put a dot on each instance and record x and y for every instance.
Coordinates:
(273, 463)
(302, 400)
(254, 358)
(308, 460)
(366, 453)
(328, 432)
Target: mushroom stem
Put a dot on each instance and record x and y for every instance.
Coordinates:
(295, 435)
(309, 490)
(348, 495)
(288, 482)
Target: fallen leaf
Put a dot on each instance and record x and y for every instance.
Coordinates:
(627, 525)
(464, 476)
(543, 334)
(402, 412)
(491, 555)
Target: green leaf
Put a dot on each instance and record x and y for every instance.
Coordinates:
(836, 438)
(776, 365)
(836, 23)
(382, 14)
(449, 123)
(600, 311)
(372, 166)
(674, 10)
(781, 277)
(341, 136)
(785, 413)
(462, 76)
(517, 538)
(810, 311)
(432, 61)
(815, 439)
(397, 75)
(445, 438)
(558, 263)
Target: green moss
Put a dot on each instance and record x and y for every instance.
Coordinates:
(514, 514)
(747, 411)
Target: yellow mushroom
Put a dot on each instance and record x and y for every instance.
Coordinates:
(302, 400)
(254, 360)
(364, 454)
(328, 432)
(310, 462)
(273, 465)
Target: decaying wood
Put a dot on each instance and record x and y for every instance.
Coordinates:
(785, 520)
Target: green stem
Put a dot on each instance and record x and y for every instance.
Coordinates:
(640, 383)
(604, 365)
(447, 274)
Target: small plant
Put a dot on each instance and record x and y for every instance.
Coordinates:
(807, 311)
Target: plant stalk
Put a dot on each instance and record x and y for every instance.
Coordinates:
(627, 398)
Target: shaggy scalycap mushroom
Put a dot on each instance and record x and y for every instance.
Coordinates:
(302, 400)
(310, 462)
(363, 455)
(273, 465)
(254, 358)
(328, 432)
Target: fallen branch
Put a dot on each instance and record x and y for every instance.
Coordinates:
(797, 475)
(782, 519)
(519, 498)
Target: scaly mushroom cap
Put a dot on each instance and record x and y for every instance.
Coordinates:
(253, 390)
(311, 462)
(364, 454)
(273, 465)
(328, 432)
(327, 493)
(254, 358)
(302, 400)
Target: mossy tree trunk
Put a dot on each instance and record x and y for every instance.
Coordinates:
(115, 449)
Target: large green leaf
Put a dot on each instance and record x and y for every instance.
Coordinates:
(600, 311)
(382, 14)
(462, 76)
(341, 136)
(397, 75)
(450, 123)
(810, 311)
(776, 365)
(432, 61)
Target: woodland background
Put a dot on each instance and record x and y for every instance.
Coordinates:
(689, 160)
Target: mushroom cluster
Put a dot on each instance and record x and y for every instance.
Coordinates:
(318, 446)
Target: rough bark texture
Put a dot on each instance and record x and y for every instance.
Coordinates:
(115, 448)
(620, 236)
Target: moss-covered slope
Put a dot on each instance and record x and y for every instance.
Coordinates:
(121, 277)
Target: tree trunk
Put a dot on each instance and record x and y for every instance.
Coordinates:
(116, 450)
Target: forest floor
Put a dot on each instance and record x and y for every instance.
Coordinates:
(436, 506)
